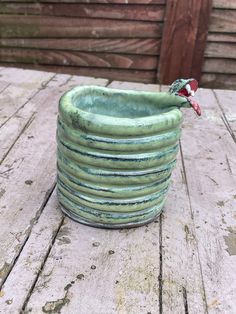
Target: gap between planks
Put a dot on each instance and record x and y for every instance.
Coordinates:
(197, 248)
(55, 234)
(225, 119)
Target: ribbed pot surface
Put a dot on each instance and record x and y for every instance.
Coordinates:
(116, 152)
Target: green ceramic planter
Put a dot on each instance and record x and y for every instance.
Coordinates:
(116, 152)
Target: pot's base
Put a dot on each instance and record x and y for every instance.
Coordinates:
(83, 221)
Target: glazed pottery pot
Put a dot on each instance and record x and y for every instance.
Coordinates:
(116, 152)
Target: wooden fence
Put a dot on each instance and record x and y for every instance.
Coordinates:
(137, 40)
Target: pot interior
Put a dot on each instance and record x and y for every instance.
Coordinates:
(117, 104)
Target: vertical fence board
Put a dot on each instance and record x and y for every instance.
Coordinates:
(184, 37)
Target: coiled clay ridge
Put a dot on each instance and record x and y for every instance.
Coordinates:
(116, 152)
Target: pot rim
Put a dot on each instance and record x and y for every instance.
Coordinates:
(99, 123)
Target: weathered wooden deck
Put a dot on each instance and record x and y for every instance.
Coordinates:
(184, 262)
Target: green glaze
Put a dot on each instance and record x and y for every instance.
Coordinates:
(116, 151)
(178, 85)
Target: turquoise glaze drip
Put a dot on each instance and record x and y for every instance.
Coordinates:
(116, 152)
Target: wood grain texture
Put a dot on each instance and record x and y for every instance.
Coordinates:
(18, 123)
(108, 269)
(223, 21)
(218, 37)
(60, 266)
(184, 39)
(3, 86)
(220, 50)
(218, 80)
(209, 155)
(98, 1)
(118, 74)
(33, 187)
(25, 78)
(216, 65)
(15, 96)
(132, 46)
(19, 116)
(18, 173)
(134, 86)
(21, 279)
(83, 59)
(20, 26)
(139, 12)
(201, 38)
(224, 4)
(183, 288)
(226, 101)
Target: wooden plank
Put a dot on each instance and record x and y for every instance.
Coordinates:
(97, 1)
(140, 12)
(114, 269)
(209, 158)
(182, 288)
(24, 78)
(184, 38)
(21, 279)
(74, 80)
(14, 96)
(220, 50)
(201, 38)
(218, 37)
(14, 127)
(30, 187)
(28, 173)
(18, 26)
(3, 85)
(113, 74)
(223, 21)
(83, 59)
(133, 46)
(226, 101)
(222, 81)
(43, 231)
(134, 86)
(224, 4)
(225, 66)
